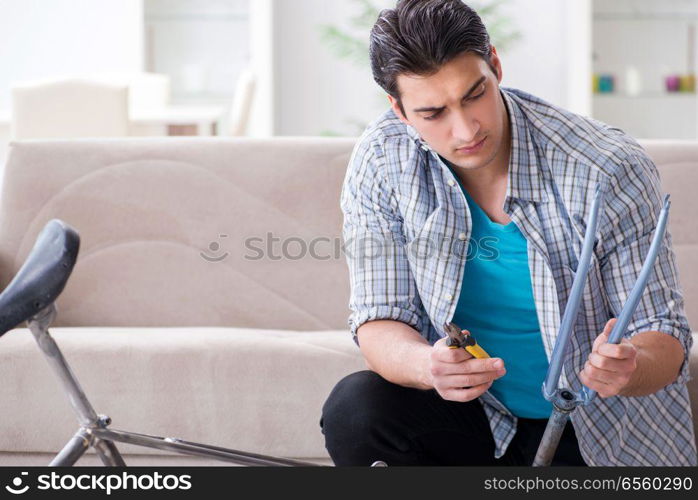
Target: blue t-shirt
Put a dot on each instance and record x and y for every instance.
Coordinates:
(496, 305)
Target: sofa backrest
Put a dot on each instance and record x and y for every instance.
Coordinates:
(155, 215)
(677, 162)
(187, 231)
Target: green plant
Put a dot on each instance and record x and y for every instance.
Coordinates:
(352, 43)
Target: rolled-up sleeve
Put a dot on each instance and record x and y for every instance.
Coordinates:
(382, 284)
(632, 206)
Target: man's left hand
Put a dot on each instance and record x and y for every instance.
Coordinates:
(610, 367)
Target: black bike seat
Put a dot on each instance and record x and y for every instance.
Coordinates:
(43, 275)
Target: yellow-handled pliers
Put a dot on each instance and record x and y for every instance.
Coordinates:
(457, 339)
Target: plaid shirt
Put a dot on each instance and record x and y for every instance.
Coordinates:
(406, 231)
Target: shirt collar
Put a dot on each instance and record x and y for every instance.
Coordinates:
(525, 174)
(525, 177)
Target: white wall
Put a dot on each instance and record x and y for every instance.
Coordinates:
(42, 38)
(315, 92)
(46, 38)
(552, 60)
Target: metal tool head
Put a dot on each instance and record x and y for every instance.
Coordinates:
(456, 337)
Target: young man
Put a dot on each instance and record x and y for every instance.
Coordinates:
(468, 202)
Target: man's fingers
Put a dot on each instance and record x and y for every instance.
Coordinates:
(604, 363)
(609, 325)
(603, 337)
(467, 366)
(463, 395)
(444, 353)
(599, 341)
(624, 350)
(485, 365)
(447, 355)
(470, 380)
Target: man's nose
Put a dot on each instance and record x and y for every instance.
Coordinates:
(465, 128)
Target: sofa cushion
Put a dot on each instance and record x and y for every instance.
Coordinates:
(253, 390)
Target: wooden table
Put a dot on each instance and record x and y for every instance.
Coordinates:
(182, 120)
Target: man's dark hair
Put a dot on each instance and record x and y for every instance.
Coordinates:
(419, 36)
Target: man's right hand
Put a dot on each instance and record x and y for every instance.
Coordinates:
(458, 376)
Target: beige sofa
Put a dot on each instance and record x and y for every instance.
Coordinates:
(209, 300)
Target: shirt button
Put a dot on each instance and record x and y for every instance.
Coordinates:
(461, 236)
(448, 296)
(451, 182)
(502, 412)
(376, 207)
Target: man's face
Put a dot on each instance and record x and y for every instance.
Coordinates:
(458, 111)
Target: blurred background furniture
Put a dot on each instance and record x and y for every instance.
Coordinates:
(239, 115)
(89, 106)
(69, 108)
(145, 90)
(193, 310)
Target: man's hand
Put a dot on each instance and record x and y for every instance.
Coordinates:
(610, 367)
(458, 376)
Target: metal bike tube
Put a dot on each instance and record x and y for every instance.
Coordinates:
(573, 302)
(107, 452)
(73, 450)
(39, 328)
(88, 418)
(196, 449)
(551, 437)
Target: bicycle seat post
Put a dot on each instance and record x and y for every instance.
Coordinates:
(38, 324)
(88, 418)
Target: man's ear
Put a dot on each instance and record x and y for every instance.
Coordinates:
(396, 108)
(497, 63)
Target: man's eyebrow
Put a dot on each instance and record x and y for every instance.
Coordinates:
(467, 94)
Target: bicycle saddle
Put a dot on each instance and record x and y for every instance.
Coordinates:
(43, 275)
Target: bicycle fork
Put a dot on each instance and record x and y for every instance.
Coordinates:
(564, 400)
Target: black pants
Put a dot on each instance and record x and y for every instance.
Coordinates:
(366, 418)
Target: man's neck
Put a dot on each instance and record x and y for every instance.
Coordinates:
(485, 179)
(490, 177)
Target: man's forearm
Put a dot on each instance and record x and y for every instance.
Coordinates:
(659, 358)
(396, 352)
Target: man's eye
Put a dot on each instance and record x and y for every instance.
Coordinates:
(433, 117)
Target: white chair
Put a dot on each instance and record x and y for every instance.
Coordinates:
(145, 90)
(242, 103)
(69, 108)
